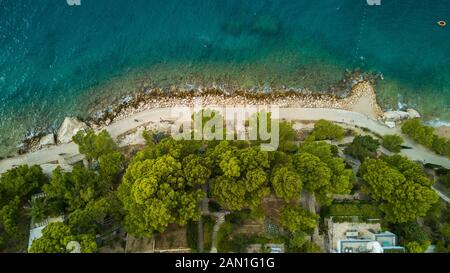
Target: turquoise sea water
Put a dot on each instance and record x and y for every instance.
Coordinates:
(57, 60)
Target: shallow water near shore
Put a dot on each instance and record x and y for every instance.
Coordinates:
(57, 60)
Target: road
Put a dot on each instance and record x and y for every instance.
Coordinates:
(61, 152)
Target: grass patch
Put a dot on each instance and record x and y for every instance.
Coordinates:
(364, 210)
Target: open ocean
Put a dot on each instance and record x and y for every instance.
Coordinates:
(58, 60)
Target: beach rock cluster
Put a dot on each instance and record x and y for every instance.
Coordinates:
(47, 140)
(396, 116)
(70, 127)
(392, 118)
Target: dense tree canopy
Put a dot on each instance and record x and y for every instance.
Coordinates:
(16, 187)
(322, 172)
(9, 226)
(160, 189)
(76, 188)
(56, 237)
(411, 232)
(88, 219)
(315, 173)
(20, 181)
(403, 192)
(164, 184)
(242, 181)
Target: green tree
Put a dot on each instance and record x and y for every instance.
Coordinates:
(9, 220)
(236, 194)
(298, 219)
(420, 133)
(286, 183)
(256, 187)
(441, 145)
(156, 193)
(324, 129)
(287, 137)
(297, 240)
(16, 187)
(38, 210)
(93, 146)
(363, 147)
(411, 170)
(314, 173)
(401, 199)
(195, 171)
(393, 143)
(342, 179)
(76, 188)
(310, 247)
(445, 231)
(229, 193)
(56, 237)
(87, 220)
(21, 182)
(415, 247)
(411, 232)
(111, 165)
(280, 159)
(241, 180)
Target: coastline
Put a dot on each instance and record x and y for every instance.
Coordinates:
(152, 111)
(355, 93)
(339, 96)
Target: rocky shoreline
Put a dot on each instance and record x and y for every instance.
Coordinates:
(344, 95)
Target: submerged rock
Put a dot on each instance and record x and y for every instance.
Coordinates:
(69, 128)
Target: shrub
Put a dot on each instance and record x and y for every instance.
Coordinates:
(420, 133)
(393, 143)
(363, 147)
(367, 211)
(324, 129)
(425, 135)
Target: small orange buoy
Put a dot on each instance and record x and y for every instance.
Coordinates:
(442, 23)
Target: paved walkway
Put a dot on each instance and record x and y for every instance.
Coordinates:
(60, 152)
(442, 195)
(220, 219)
